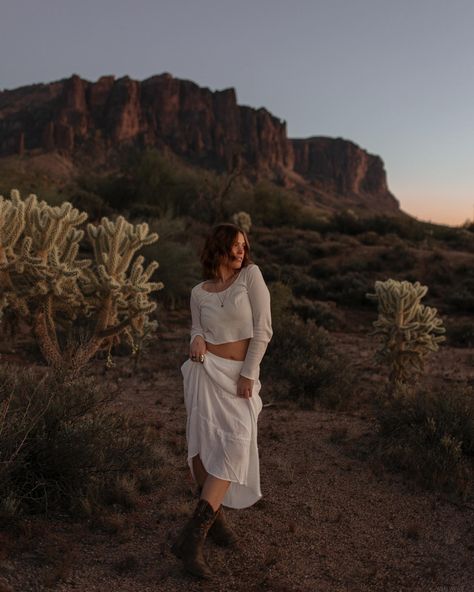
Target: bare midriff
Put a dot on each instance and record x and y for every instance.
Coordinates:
(233, 350)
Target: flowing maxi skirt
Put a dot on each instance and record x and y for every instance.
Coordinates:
(222, 427)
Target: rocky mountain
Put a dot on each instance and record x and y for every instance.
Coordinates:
(87, 122)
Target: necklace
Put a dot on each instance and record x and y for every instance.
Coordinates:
(225, 291)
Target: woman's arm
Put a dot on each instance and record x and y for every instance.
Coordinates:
(197, 344)
(259, 297)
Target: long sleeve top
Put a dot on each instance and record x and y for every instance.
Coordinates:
(241, 311)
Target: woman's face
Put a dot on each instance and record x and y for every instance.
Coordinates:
(237, 252)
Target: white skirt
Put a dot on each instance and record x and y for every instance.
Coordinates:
(222, 427)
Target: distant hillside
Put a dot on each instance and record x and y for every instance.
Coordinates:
(85, 124)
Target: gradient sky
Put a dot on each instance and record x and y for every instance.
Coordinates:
(396, 77)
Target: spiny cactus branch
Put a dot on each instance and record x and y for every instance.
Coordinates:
(410, 330)
(43, 280)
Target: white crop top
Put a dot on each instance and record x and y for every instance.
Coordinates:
(241, 311)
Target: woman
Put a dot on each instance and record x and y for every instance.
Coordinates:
(231, 327)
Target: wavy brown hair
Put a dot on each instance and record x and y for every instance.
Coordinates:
(218, 246)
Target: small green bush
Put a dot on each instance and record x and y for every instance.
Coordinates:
(281, 301)
(322, 313)
(398, 258)
(274, 206)
(63, 449)
(431, 436)
(301, 365)
(297, 255)
(179, 267)
(349, 288)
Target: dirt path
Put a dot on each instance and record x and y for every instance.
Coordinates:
(330, 520)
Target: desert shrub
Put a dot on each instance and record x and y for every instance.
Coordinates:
(328, 248)
(273, 206)
(346, 222)
(359, 264)
(281, 301)
(369, 238)
(348, 288)
(430, 434)
(301, 365)
(349, 222)
(407, 228)
(398, 258)
(324, 269)
(305, 286)
(63, 449)
(322, 313)
(297, 255)
(91, 203)
(162, 181)
(179, 267)
(462, 298)
(310, 218)
(157, 181)
(459, 238)
(115, 189)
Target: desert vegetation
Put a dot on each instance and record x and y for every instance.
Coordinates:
(46, 284)
(75, 442)
(62, 448)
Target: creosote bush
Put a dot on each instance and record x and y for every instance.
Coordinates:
(63, 449)
(430, 434)
(179, 265)
(300, 363)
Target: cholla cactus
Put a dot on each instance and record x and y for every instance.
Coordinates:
(44, 282)
(242, 220)
(410, 329)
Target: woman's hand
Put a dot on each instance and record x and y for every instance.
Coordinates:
(244, 387)
(197, 349)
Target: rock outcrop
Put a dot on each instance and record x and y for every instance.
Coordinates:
(340, 167)
(90, 120)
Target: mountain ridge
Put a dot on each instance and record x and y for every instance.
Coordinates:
(87, 122)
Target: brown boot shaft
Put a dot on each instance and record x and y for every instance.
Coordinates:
(220, 531)
(189, 544)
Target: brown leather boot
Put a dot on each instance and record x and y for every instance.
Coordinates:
(189, 544)
(220, 532)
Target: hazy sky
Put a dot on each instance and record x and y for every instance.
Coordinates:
(394, 76)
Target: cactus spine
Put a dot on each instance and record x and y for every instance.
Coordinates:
(242, 220)
(410, 330)
(44, 282)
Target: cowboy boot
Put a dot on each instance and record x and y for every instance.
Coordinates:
(220, 531)
(189, 544)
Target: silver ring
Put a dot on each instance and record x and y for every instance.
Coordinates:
(201, 358)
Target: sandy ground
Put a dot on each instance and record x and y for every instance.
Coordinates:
(331, 519)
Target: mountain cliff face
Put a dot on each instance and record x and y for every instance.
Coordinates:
(342, 168)
(88, 121)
